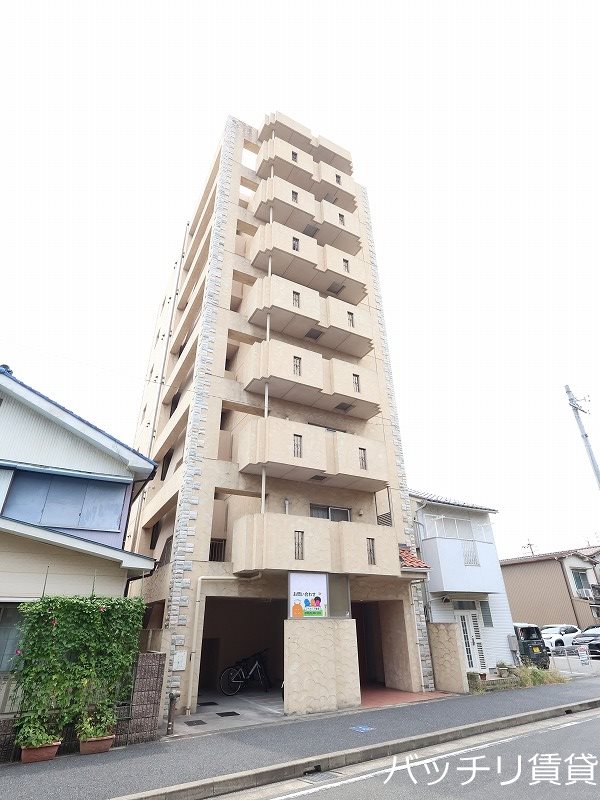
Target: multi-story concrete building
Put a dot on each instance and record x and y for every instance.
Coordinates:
(270, 407)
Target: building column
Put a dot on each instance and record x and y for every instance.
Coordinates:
(401, 658)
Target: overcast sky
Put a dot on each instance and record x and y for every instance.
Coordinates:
(475, 127)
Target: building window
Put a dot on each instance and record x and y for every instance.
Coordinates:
(333, 513)
(346, 264)
(299, 545)
(297, 366)
(356, 382)
(338, 180)
(155, 534)
(464, 605)
(342, 220)
(371, 551)
(486, 613)
(470, 554)
(362, 457)
(582, 583)
(296, 299)
(294, 196)
(350, 319)
(295, 244)
(217, 550)
(9, 635)
(294, 155)
(166, 463)
(297, 446)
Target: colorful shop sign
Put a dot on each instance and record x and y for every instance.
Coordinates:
(307, 595)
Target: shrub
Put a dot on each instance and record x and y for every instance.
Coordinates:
(74, 661)
(534, 676)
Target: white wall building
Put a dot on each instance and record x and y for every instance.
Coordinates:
(465, 586)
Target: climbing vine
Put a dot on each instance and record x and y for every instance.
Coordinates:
(75, 654)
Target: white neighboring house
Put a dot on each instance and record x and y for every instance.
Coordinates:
(465, 581)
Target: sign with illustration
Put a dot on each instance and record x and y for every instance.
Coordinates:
(307, 595)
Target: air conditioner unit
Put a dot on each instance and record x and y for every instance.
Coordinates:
(586, 594)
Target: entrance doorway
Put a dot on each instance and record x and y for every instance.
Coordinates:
(368, 639)
(237, 627)
(472, 643)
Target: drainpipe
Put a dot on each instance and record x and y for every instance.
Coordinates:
(201, 580)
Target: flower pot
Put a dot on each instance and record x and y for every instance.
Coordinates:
(100, 744)
(30, 755)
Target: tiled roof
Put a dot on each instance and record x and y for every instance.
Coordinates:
(448, 501)
(549, 556)
(409, 560)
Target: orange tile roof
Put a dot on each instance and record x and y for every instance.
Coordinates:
(409, 560)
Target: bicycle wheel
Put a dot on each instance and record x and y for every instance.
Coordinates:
(263, 677)
(231, 681)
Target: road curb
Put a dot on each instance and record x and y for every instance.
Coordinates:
(223, 784)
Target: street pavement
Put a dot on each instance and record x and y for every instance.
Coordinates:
(552, 758)
(158, 764)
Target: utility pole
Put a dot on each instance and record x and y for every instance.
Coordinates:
(577, 410)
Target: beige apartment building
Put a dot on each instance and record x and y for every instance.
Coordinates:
(279, 515)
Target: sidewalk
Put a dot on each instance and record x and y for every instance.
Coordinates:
(167, 762)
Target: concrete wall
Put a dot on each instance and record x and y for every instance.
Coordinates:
(448, 657)
(321, 665)
(26, 566)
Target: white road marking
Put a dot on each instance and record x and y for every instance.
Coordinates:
(419, 762)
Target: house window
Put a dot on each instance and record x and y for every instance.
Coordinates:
(371, 551)
(338, 180)
(346, 264)
(486, 613)
(350, 319)
(297, 366)
(294, 155)
(9, 635)
(166, 463)
(362, 457)
(295, 244)
(356, 382)
(464, 605)
(297, 446)
(217, 550)
(342, 220)
(294, 196)
(333, 513)
(470, 554)
(299, 545)
(582, 583)
(296, 299)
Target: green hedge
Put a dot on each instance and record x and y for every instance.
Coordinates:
(74, 661)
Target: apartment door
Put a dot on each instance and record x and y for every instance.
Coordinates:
(471, 634)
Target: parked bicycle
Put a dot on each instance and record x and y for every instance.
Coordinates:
(232, 679)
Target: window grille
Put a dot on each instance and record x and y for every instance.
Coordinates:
(342, 219)
(295, 244)
(217, 550)
(299, 545)
(297, 366)
(350, 319)
(356, 382)
(294, 196)
(346, 264)
(294, 155)
(297, 446)
(371, 551)
(362, 457)
(338, 180)
(296, 299)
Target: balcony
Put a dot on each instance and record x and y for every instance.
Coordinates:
(324, 269)
(296, 166)
(319, 147)
(301, 313)
(338, 228)
(270, 542)
(298, 451)
(330, 384)
(462, 565)
(291, 205)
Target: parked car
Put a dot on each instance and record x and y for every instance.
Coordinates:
(559, 635)
(591, 637)
(532, 648)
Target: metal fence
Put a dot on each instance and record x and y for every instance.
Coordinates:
(575, 660)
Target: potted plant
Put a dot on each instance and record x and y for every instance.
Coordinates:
(95, 729)
(36, 738)
(502, 669)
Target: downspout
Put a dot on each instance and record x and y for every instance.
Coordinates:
(201, 580)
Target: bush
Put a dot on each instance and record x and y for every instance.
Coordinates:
(534, 676)
(74, 661)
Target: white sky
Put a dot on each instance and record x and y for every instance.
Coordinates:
(475, 127)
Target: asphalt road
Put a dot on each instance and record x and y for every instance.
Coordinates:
(544, 761)
(151, 766)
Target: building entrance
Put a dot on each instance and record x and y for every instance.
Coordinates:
(236, 627)
(368, 637)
